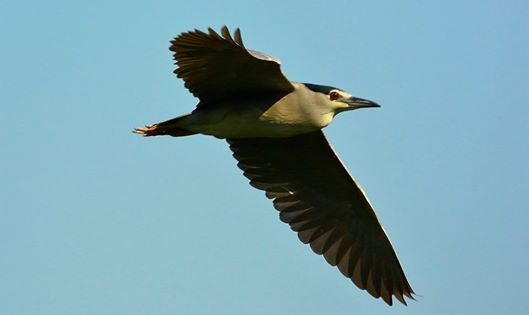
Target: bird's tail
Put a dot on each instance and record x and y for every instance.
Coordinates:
(170, 127)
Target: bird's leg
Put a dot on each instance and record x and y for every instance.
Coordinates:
(150, 130)
(172, 127)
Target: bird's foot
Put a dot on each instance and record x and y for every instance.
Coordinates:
(150, 130)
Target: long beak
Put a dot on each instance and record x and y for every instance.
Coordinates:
(356, 102)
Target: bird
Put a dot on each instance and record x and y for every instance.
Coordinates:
(274, 126)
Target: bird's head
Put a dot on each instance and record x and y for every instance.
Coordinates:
(340, 100)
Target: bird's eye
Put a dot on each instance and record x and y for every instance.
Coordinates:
(334, 96)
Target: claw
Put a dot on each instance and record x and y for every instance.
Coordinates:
(149, 130)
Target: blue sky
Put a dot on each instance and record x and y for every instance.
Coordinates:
(96, 220)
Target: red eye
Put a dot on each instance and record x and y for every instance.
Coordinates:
(334, 96)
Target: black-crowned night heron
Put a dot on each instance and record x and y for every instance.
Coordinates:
(273, 127)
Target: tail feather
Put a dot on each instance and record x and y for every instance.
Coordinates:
(170, 127)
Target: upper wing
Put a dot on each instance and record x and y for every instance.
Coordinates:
(320, 200)
(215, 66)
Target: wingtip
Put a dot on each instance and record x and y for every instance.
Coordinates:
(226, 34)
(238, 38)
(400, 297)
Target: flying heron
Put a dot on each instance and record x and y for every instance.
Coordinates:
(273, 126)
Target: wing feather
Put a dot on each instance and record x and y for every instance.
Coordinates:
(318, 198)
(214, 66)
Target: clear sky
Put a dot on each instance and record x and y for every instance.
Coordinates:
(97, 220)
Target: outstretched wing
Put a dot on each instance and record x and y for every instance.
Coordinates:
(214, 66)
(319, 199)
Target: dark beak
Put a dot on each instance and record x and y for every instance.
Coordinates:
(356, 102)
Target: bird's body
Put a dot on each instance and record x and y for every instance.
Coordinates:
(273, 127)
(256, 116)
